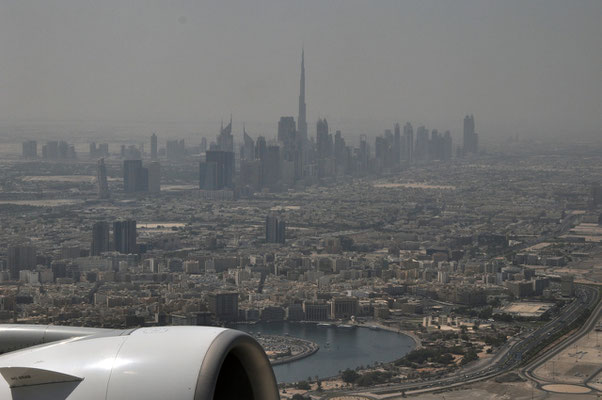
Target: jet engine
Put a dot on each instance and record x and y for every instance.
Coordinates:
(175, 362)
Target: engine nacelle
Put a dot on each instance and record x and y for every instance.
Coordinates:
(176, 362)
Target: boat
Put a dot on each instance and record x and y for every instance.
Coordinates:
(324, 324)
(346, 326)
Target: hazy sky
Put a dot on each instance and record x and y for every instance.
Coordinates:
(531, 67)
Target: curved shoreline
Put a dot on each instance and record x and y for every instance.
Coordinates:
(312, 347)
(304, 350)
(309, 349)
(410, 334)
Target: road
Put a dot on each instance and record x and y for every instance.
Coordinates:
(590, 324)
(510, 356)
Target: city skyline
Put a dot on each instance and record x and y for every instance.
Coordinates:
(509, 57)
(301, 200)
(226, 139)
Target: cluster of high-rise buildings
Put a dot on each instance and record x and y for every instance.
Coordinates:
(60, 150)
(377, 249)
(294, 158)
(53, 150)
(291, 159)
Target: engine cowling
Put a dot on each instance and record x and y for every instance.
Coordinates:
(197, 363)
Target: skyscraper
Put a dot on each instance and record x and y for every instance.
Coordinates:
(225, 140)
(397, 144)
(154, 177)
(286, 132)
(175, 149)
(93, 150)
(20, 257)
(422, 144)
(100, 238)
(135, 177)
(103, 149)
(436, 149)
(275, 229)
(324, 147)
(447, 146)
(50, 150)
(408, 142)
(250, 174)
(30, 149)
(217, 172)
(323, 139)
(302, 119)
(271, 168)
(247, 150)
(101, 179)
(153, 146)
(208, 176)
(383, 150)
(291, 149)
(341, 156)
(260, 148)
(471, 139)
(389, 149)
(124, 236)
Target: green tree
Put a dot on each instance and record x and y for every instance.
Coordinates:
(302, 385)
(486, 313)
(495, 302)
(349, 376)
(471, 355)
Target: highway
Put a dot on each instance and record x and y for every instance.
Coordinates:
(529, 370)
(510, 356)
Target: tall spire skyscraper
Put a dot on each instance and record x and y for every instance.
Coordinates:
(302, 120)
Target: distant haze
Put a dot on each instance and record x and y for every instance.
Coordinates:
(527, 67)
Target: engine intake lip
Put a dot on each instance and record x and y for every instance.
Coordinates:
(252, 358)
